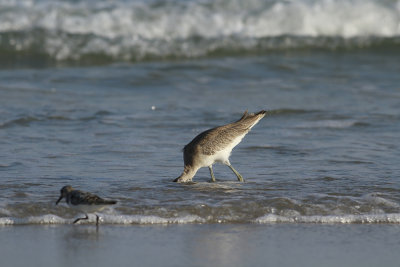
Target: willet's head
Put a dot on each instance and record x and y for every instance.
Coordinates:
(182, 178)
(186, 175)
(64, 192)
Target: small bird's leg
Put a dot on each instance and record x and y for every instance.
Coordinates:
(77, 220)
(211, 173)
(97, 220)
(240, 178)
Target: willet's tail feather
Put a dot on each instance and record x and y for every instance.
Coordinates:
(248, 120)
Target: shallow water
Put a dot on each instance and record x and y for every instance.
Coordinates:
(201, 245)
(327, 152)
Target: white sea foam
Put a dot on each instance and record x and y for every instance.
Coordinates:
(141, 219)
(106, 219)
(391, 218)
(44, 219)
(210, 19)
(127, 30)
(331, 219)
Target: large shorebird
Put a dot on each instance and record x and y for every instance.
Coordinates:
(215, 145)
(84, 201)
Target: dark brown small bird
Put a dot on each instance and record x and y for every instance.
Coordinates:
(84, 202)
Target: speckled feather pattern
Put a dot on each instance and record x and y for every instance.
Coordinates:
(215, 145)
(77, 197)
(216, 139)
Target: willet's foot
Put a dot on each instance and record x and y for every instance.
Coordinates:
(84, 201)
(215, 145)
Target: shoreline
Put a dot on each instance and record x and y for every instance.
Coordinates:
(201, 245)
(268, 219)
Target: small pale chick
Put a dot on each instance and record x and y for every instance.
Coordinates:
(84, 202)
(215, 145)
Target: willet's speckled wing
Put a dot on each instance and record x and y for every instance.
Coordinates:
(215, 145)
(84, 201)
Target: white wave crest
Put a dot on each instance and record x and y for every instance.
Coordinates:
(140, 219)
(126, 30)
(44, 219)
(210, 19)
(106, 219)
(393, 218)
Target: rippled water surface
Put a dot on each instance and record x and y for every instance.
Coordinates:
(107, 108)
(326, 152)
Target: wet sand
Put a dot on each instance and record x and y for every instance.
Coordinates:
(201, 245)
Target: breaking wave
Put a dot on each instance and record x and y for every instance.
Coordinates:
(371, 208)
(190, 219)
(332, 219)
(106, 219)
(106, 31)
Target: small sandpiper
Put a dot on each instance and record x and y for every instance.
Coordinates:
(84, 201)
(215, 145)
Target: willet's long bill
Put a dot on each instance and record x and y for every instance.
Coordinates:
(215, 145)
(84, 202)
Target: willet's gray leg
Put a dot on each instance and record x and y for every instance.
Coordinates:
(97, 220)
(77, 220)
(240, 178)
(211, 173)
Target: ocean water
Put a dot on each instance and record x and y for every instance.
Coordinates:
(103, 95)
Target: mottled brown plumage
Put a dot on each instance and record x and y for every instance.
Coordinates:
(215, 145)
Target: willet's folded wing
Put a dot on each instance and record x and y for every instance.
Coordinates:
(211, 141)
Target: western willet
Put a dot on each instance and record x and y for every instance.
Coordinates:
(215, 145)
(84, 201)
